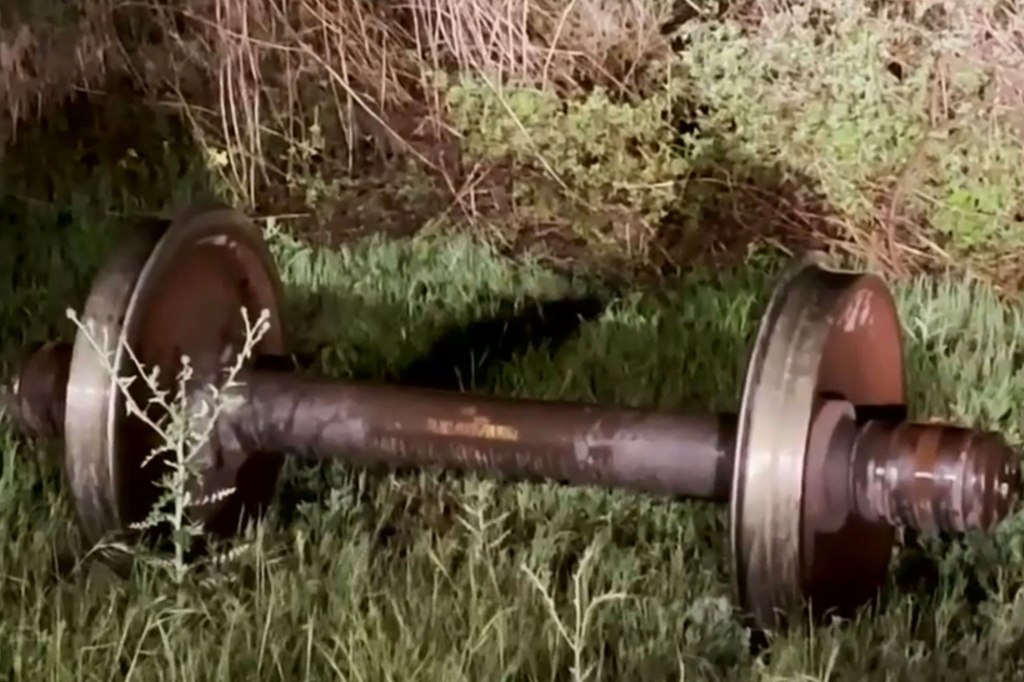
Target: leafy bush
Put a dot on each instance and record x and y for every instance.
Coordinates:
(605, 171)
(895, 118)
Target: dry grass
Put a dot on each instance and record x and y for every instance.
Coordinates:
(252, 72)
(271, 83)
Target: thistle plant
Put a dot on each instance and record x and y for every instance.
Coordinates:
(183, 419)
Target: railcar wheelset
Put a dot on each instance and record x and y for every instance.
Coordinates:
(819, 465)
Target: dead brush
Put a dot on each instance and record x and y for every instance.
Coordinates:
(260, 79)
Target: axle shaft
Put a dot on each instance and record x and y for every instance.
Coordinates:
(933, 477)
(679, 454)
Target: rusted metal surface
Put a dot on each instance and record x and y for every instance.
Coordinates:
(677, 454)
(819, 465)
(933, 477)
(825, 334)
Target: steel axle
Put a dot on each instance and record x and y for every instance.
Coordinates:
(931, 477)
(818, 466)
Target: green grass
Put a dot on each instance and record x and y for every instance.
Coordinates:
(365, 576)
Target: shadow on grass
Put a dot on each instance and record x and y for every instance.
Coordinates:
(734, 203)
(464, 352)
